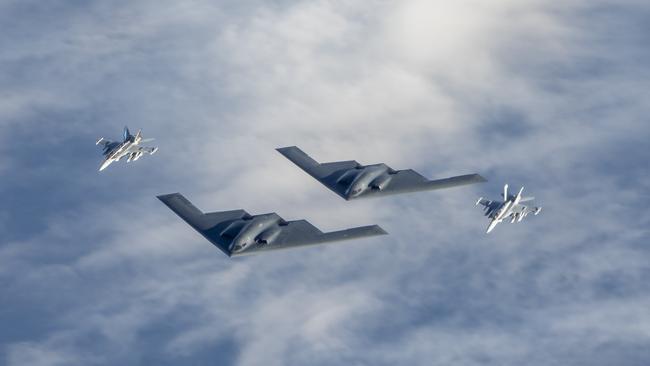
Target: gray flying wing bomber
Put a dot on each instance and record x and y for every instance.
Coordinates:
(238, 233)
(351, 180)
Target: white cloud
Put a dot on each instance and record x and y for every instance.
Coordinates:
(442, 88)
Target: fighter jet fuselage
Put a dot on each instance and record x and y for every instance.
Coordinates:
(114, 151)
(511, 208)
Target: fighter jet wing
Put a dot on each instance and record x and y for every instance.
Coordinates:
(337, 176)
(222, 228)
(148, 150)
(524, 210)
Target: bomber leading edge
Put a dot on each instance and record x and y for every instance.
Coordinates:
(351, 180)
(129, 147)
(508, 209)
(238, 233)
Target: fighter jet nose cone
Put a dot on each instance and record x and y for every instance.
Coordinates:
(105, 165)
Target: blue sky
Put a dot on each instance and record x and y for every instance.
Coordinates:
(95, 271)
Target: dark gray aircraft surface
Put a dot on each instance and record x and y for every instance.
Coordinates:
(351, 180)
(239, 233)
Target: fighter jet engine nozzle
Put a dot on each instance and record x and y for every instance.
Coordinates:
(269, 235)
(381, 182)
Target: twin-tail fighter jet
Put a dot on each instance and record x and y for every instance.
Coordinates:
(351, 180)
(238, 233)
(510, 208)
(130, 147)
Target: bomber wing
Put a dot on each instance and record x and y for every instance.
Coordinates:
(335, 176)
(221, 228)
(405, 181)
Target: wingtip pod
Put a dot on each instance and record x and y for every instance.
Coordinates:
(99, 141)
(478, 202)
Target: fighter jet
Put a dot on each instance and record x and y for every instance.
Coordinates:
(510, 208)
(351, 180)
(238, 233)
(114, 151)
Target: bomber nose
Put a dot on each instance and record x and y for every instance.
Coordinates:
(353, 191)
(238, 246)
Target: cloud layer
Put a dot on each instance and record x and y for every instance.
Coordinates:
(94, 270)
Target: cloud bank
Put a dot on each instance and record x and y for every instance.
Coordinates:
(95, 271)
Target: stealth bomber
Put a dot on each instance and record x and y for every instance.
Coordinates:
(351, 180)
(238, 233)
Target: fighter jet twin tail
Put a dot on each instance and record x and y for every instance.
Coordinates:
(238, 233)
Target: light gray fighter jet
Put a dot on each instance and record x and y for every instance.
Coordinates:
(239, 233)
(114, 151)
(510, 208)
(351, 180)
